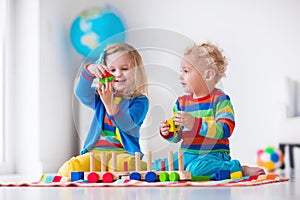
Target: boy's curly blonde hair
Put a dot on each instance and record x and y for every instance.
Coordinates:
(210, 55)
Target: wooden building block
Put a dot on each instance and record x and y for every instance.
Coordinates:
(107, 177)
(135, 176)
(173, 126)
(222, 174)
(76, 176)
(236, 175)
(92, 177)
(163, 165)
(200, 178)
(174, 176)
(164, 176)
(150, 176)
(107, 76)
(57, 178)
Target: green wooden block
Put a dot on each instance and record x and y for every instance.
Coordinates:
(103, 80)
(174, 176)
(164, 176)
(200, 178)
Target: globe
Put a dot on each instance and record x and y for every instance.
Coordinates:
(270, 158)
(94, 29)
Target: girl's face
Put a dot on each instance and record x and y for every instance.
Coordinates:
(119, 65)
(191, 76)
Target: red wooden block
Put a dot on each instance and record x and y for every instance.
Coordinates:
(163, 165)
(253, 177)
(107, 74)
(57, 178)
(125, 166)
(107, 177)
(92, 177)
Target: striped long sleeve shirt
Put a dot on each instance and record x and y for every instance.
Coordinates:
(214, 123)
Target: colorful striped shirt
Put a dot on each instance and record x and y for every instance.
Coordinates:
(110, 137)
(214, 123)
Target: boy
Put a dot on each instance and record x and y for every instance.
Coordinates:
(205, 115)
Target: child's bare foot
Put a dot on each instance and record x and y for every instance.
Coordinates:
(252, 171)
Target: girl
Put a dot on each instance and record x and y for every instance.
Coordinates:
(120, 106)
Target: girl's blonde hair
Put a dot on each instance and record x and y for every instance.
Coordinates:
(141, 86)
(209, 55)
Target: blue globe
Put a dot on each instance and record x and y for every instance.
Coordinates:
(94, 29)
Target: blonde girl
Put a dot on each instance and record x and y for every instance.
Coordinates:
(119, 106)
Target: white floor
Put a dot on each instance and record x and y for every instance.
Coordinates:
(286, 190)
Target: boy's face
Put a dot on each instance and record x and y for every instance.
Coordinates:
(191, 75)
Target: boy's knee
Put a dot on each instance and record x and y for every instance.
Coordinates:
(202, 168)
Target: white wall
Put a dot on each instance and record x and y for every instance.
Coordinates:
(26, 87)
(260, 38)
(58, 67)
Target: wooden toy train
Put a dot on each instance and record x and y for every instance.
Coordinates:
(149, 176)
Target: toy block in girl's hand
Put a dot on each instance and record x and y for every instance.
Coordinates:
(107, 76)
(173, 127)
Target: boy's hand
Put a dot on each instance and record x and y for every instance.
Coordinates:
(184, 119)
(164, 128)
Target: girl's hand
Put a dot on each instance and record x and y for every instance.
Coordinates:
(184, 119)
(164, 128)
(97, 69)
(106, 94)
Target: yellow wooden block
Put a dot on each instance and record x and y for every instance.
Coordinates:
(236, 175)
(173, 126)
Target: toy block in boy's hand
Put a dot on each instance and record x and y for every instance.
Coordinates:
(108, 76)
(173, 126)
